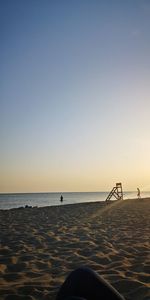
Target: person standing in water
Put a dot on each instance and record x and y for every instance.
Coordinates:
(138, 193)
(61, 198)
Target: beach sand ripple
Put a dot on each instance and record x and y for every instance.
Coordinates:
(40, 246)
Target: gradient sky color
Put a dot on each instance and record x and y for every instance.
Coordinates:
(75, 95)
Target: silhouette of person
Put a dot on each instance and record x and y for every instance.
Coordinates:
(138, 193)
(61, 198)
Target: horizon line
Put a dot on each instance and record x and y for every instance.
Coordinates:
(62, 192)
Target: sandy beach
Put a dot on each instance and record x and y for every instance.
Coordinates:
(39, 247)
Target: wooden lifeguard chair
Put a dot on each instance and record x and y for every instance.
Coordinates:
(116, 192)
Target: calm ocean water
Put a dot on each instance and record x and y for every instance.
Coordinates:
(8, 201)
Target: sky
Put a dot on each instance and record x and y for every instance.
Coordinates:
(74, 95)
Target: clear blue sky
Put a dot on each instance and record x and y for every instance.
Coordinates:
(75, 95)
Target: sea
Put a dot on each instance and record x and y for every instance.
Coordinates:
(9, 201)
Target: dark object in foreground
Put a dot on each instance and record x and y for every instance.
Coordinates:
(85, 284)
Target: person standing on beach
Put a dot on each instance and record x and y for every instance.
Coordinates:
(61, 198)
(138, 193)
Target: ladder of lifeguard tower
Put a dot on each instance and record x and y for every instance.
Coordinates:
(116, 192)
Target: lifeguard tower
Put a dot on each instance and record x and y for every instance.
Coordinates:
(116, 192)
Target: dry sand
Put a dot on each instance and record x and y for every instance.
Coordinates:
(40, 246)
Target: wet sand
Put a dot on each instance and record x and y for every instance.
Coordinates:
(40, 246)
